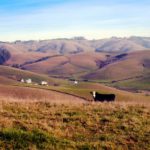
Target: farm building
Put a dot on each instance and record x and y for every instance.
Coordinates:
(44, 83)
(22, 80)
(29, 81)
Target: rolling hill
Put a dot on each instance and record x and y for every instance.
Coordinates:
(109, 60)
(77, 45)
(13, 76)
(10, 77)
(130, 65)
(66, 65)
(119, 45)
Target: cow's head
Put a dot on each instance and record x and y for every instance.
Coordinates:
(93, 93)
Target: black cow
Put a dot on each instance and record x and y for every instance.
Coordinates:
(103, 97)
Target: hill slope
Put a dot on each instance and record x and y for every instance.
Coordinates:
(113, 59)
(130, 65)
(10, 75)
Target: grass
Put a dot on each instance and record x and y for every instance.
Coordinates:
(83, 89)
(9, 75)
(27, 94)
(35, 118)
(35, 139)
(134, 84)
(43, 125)
(16, 75)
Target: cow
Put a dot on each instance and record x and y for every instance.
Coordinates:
(103, 97)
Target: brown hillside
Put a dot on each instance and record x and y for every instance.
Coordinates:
(134, 65)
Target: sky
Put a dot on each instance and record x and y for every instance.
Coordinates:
(93, 19)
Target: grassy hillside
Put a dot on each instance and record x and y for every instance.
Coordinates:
(142, 83)
(37, 117)
(47, 65)
(67, 65)
(27, 94)
(84, 89)
(6, 81)
(134, 68)
(55, 58)
(17, 74)
(13, 75)
(48, 126)
(10, 76)
(134, 64)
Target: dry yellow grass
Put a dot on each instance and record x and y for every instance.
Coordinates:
(42, 125)
(26, 94)
(42, 119)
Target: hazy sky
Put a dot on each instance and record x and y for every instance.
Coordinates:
(46, 19)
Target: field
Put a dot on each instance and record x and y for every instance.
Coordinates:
(33, 118)
(11, 76)
(134, 84)
(42, 125)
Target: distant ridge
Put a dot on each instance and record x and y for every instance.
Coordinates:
(80, 44)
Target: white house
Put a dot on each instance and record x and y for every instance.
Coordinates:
(29, 81)
(22, 80)
(44, 83)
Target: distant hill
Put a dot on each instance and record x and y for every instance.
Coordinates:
(131, 70)
(114, 59)
(9, 75)
(144, 41)
(80, 44)
(120, 45)
(23, 52)
(130, 65)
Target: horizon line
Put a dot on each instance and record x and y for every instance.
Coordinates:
(72, 38)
